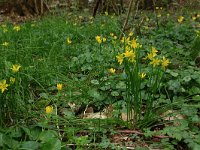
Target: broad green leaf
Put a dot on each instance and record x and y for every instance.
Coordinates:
(52, 144)
(30, 145)
(46, 135)
(95, 82)
(115, 93)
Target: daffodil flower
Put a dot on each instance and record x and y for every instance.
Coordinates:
(49, 109)
(15, 68)
(59, 86)
(3, 86)
(111, 70)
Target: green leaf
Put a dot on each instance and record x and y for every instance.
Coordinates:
(174, 74)
(1, 139)
(52, 144)
(95, 82)
(44, 95)
(13, 144)
(186, 78)
(33, 133)
(30, 145)
(121, 85)
(95, 94)
(115, 93)
(46, 135)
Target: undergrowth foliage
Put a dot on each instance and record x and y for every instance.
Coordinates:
(72, 81)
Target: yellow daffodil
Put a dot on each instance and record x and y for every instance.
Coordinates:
(154, 50)
(129, 54)
(3, 86)
(120, 58)
(106, 13)
(150, 56)
(15, 68)
(125, 40)
(155, 62)
(5, 44)
(49, 109)
(180, 19)
(104, 39)
(12, 80)
(111, 34)
(134, 44)
(17, 28)
(68, 41)
(130, 34)
(59, 86)
(142, 75)
(165, 62)
(98, 39)
(194, 18)
(111, 70)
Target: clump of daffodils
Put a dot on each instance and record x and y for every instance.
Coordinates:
(131, 46)
(134, 63)
(132, 51)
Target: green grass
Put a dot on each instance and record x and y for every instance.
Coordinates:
(40, 48)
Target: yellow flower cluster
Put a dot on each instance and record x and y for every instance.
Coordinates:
(17, 28)
(180, 19)
(111, 70)
(3, 85)
(130, 49)
(5, 44)
(113, 36)
(99, 39)
(131, 52)
(155, 61)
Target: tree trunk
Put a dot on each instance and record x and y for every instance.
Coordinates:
(29, 7)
